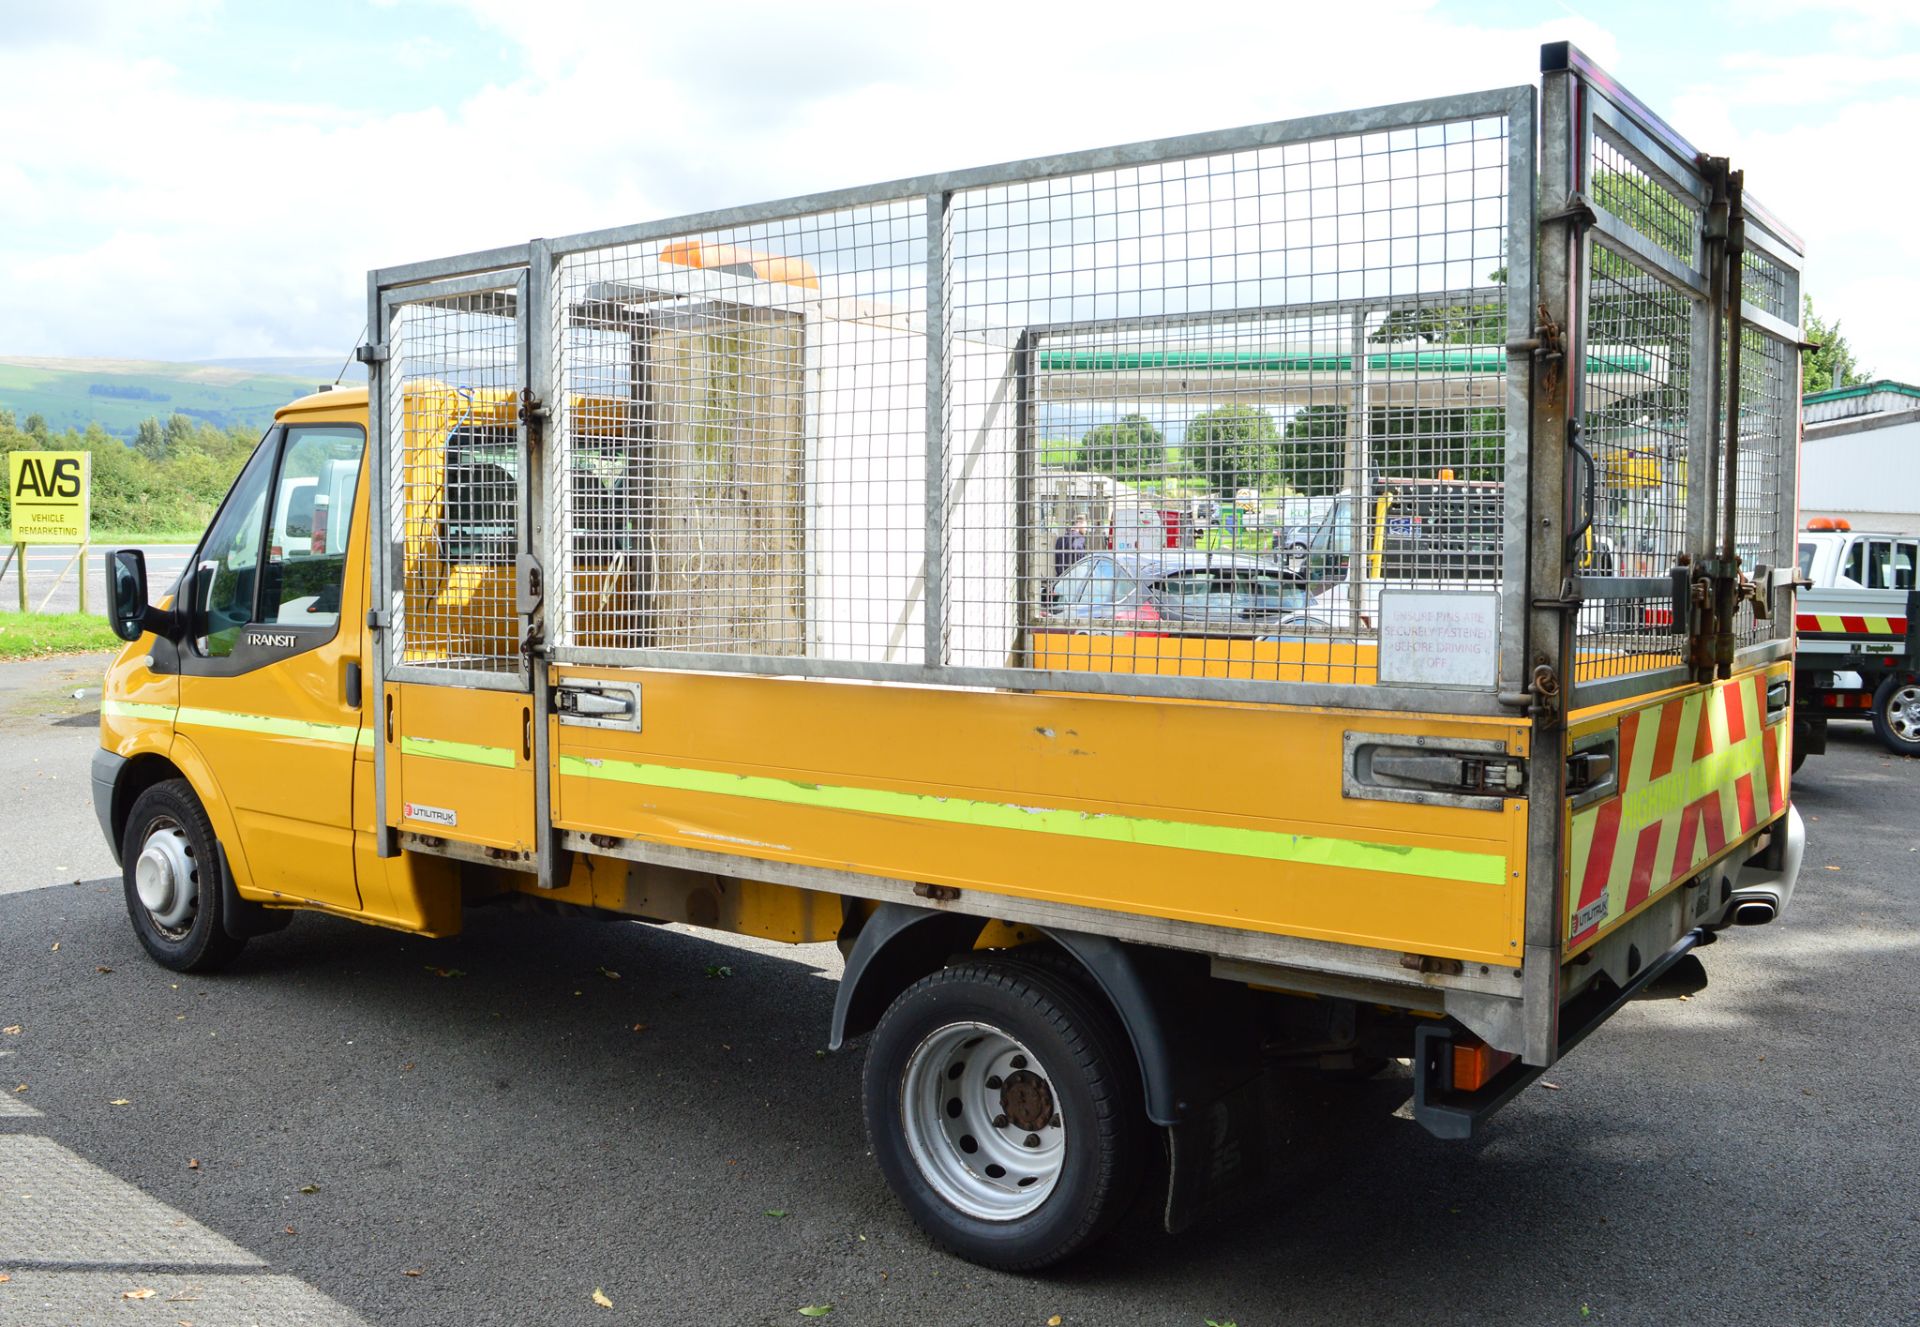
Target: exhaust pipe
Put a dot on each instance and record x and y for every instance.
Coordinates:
(1754, 911)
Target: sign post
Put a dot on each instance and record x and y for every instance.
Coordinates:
(51, 495)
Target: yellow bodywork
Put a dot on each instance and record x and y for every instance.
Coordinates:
(1210, 812)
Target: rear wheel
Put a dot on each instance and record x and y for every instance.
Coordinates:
(171, 873)
(1003, 1106)
(1896, 715)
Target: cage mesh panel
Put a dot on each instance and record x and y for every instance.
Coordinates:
(1162, 379)
(1645, 204)
(1765, 285)
(1767, 433)
(454, 498)
(1639, 386)
(742, 434)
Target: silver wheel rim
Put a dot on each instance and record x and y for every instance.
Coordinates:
(1903, 713)
(983, 1122)
(167, 879)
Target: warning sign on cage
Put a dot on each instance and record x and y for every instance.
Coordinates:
(49, 492)
(1439, 638)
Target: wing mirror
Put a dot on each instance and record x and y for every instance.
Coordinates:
(127, 607)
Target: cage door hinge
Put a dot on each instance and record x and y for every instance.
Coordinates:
(374, 352)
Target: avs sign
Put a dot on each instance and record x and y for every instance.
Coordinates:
(50, 493)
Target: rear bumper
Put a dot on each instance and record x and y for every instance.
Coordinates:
(106, 780)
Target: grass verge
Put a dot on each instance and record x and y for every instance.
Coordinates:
(139, 538)
(33, 635)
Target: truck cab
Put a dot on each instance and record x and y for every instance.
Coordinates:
(1859, 655)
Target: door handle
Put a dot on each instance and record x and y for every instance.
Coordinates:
(353, 683)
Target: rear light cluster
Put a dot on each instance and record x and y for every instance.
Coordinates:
(1475, 1064)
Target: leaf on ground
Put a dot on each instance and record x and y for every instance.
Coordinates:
(103, 970)
(816, 1310)
(1833, 868)
(13, 1031)
(5, 1277)
(1224, 1322)
(1551, 1087)
(639, 1027)
(142, 1293)
(193, 1163)
(776, 1211)
(600, 1298)
(609, 974)
(309, 1188)
(21, 1088)
(1054, 1321)
(120, 1101)
(290, 1230)
(56, 948)
(413, 1271)
(719, 970)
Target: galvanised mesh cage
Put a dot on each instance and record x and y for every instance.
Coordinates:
(1187, 414)
(455, 481)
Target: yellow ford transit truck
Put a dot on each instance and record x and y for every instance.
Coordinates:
(727, 571)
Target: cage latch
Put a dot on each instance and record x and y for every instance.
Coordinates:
(1497, 776)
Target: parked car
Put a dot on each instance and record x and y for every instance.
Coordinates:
(1179, 590)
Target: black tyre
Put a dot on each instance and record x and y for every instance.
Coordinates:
(170, 867)
(1896, 715)
(1003, 1105)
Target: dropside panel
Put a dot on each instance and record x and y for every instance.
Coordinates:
(1226, 815)
(463, 765)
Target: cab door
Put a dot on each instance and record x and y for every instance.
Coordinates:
(270, 689)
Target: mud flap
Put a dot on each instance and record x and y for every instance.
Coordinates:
(1217, 1157)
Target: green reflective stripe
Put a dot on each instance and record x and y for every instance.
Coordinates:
(467, 753)
(135, 709)
(366, 738)
(272, 725)
(1269, 845)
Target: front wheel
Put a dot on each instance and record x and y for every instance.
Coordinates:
(1003, 1106)
(1896, 715)
(171, 872)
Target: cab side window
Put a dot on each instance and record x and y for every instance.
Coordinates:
(229, 567)
(312, 505)
(276, 553)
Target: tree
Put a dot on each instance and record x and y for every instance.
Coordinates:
(1405, 442)
(1127, 448)
(1232, 447)
(1832, 364)
(150, 441)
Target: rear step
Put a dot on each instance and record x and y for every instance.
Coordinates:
(1447, 1112)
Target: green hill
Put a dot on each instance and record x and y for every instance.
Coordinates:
(118, 393)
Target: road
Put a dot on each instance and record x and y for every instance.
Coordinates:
(46, 564)
(360, 1126)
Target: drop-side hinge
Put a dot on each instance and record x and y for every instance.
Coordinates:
(374, 352)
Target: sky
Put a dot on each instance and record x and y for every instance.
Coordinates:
(191, 179)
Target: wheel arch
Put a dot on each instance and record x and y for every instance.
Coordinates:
(135, 776)
(1165, 1000)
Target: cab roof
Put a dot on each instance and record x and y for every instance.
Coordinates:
(343, 403)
